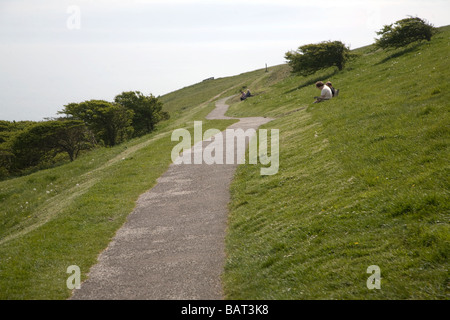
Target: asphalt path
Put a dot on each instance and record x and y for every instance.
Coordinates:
(172, 245)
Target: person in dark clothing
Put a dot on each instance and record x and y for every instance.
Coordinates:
(245, 95)
(333, 91)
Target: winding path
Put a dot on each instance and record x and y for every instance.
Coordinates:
(172, 245)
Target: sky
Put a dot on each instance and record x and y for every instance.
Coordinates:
(54, 52)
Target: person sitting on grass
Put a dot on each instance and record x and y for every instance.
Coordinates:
(329, 85)
(245, 95)
(325, 93)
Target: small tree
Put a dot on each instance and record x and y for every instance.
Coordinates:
(70, 136)
(44, 140)
(404, 32)
(110, 122)
(8, 133)
(312, 57)
(147, 110)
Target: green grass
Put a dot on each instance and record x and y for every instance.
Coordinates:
(363, 180)
(67, 215)
(181, 101)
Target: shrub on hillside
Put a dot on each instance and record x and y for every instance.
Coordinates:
(44, 140)
(147, 110)
(403, 32)
(312, 57)
(110, 122)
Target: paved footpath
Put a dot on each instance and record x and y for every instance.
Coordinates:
(172, 245)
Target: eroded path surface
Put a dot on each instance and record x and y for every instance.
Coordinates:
(172, 245)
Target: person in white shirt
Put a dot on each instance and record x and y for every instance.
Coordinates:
(325, 93)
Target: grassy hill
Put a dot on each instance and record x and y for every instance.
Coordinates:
(363, 181)
(67, 215)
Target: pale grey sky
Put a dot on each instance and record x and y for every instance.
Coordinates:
(54, 52)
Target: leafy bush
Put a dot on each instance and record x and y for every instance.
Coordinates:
(404, 32)
(312, 57)
(45, 140)
(110, 122)
(147, 110)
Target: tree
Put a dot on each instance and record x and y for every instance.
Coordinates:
(147, 110)
(70, 136)
(312, 57)
(44, 140)
(8, 132)
(110, 122)
(403, 32)
(5, 129)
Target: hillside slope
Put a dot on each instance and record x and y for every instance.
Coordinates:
(363, 181)
(67, 215)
